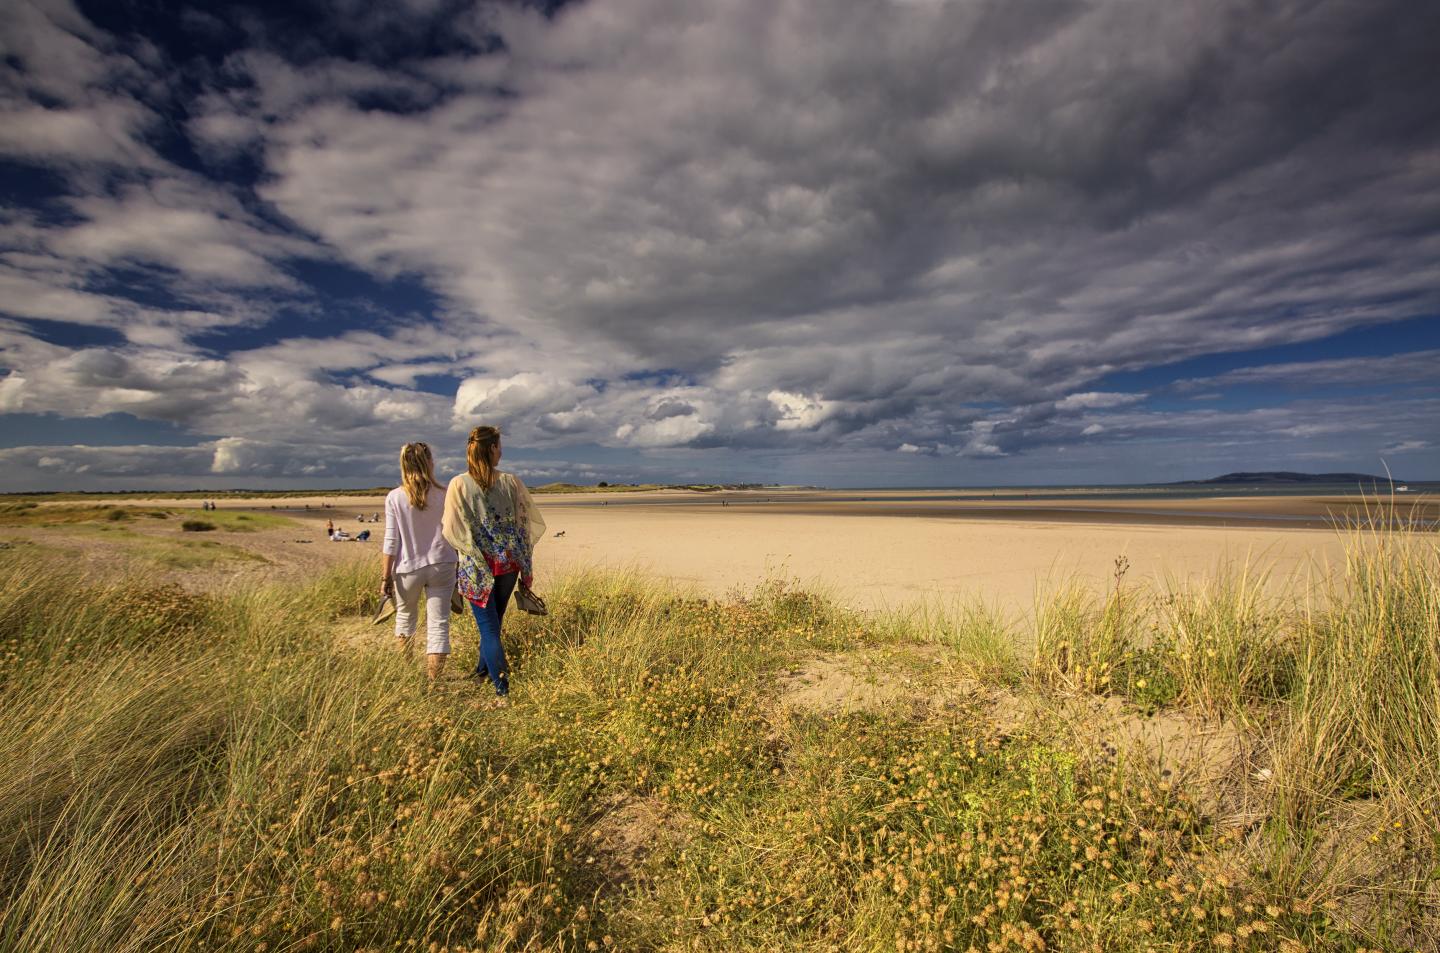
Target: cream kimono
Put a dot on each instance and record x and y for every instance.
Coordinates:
(494, 531)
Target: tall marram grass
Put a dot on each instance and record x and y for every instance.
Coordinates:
(1362, 738)
(259, 770)
(1341, 684)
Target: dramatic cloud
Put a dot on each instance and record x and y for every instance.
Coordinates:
(940, 232)
(1414, 367)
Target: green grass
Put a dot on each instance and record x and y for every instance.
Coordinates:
(26, 513)
(259, 769)
(178, 551)
(31, 513)
(240, 494)
(237, 521)
(580, 488)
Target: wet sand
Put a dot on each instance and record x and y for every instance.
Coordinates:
(1079, 506)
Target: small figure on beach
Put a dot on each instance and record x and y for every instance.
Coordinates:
(416, 560)
(494, 524)
(329, 527)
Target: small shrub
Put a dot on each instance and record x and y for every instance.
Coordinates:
(116, 515)
(196, 526)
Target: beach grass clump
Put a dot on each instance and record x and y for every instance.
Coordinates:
(233, 521)
(1090, 643)
(1227, 646)
(978, 638)
(197, 526)
(1363, 728)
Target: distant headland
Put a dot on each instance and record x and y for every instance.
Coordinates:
(1285, 477)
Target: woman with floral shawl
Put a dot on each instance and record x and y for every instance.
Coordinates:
(494, 525)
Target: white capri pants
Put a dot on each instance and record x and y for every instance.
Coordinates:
(436, 581)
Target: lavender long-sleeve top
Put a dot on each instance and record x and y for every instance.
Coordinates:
(413, 536)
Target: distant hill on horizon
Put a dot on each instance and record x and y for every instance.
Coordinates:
(1286, 476)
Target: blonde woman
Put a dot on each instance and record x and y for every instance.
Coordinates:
(494, 525)
(416, 558)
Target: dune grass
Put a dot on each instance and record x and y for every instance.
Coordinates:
(75, 515)
(258, 770)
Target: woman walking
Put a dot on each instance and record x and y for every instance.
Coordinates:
(416, 558)
(494, 525)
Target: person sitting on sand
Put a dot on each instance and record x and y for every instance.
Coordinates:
(494, 525)
(416, 558)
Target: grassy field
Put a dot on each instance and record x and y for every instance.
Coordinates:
(94, 496)
(158, 538)
(30, 513)
(259, 770)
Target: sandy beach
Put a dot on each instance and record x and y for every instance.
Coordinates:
(883, 554)
(867, 549)
(893, 549)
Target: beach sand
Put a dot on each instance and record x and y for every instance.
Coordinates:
(878, 556)
(869, 549)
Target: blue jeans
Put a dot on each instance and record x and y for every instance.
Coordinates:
(487, 620)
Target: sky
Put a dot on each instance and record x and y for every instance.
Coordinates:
(860, 243)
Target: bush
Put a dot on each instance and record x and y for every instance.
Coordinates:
(116, 515)
(196, 526)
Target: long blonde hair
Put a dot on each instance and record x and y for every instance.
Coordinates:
(417, 473)
(477, 455)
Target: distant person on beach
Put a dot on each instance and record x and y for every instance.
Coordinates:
(329, 527)
(415, 557)
(494, 525)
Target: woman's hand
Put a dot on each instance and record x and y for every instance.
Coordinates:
(387, 575)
